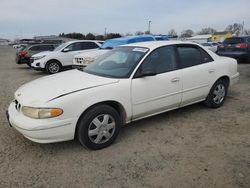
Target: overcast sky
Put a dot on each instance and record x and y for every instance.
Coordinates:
(28, 18)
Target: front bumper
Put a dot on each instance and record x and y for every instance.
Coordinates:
(38, 65)
(37, 68)
(234, 79)
(42, 130)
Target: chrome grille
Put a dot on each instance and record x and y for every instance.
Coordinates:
(79, 60)
(17, 105)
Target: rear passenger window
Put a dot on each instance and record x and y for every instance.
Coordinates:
(161, 60)
(192, 55)
(205, 57)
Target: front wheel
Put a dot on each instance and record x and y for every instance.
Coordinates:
(53, 67)
(98, 127)
(217, 94)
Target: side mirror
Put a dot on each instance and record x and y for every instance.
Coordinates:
(148, 72)
(66, 50)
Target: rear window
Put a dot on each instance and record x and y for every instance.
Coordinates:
(46, 47)
(34, 48)
(233, 40)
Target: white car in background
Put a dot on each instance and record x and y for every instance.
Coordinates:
(127, 83)
(83, 59)
(54, 61)
(213, 46)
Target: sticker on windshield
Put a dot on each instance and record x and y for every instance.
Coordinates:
(140, 50)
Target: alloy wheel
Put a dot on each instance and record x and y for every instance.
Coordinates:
(219, 93)
(101, 129)
(54, 67)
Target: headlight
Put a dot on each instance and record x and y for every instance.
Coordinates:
(89, 60)
(41, 113)
(39, 57)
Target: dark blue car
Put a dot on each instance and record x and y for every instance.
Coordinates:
(236, 47)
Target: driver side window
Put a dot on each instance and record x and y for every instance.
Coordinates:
(160, 60)
(74, 46)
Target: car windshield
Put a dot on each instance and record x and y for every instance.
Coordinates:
(60, 47)
(233, 40)
(110, 44)
(117, 63)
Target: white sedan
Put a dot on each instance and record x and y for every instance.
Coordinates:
(128, 83)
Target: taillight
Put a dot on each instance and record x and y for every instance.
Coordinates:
(241, 46)
(221, 46)
(23, 53)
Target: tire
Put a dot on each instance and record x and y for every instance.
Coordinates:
(217, 94)
(98, 127)
(53, 67)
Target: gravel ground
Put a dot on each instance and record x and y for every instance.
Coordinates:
(190, 147)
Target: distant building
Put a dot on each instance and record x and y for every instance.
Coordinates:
(4, 41)
(221, 36)
(53, 39)
(200, 38)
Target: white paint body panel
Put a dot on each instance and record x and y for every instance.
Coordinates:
(75, 91)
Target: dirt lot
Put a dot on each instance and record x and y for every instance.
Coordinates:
(190, 147)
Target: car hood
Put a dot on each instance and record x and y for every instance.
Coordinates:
(92, 54)
(43, 53)
(45, 89)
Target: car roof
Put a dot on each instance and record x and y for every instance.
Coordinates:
(156, 44)
(40, 44)
(241, 37)
(73, 41)
(126, 38)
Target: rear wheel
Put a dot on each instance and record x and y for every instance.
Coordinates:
(217, 94)
(98, 127)
(53, 67)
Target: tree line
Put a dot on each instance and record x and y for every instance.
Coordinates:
(235, 28)
(90, 36)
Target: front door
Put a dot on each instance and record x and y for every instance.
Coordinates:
(157, 93)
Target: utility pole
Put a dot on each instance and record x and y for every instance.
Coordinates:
(149, 22)
(242, 29)
(105, 32)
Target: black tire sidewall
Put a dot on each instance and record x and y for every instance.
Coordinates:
(84, 123)
(47, 67)
(209, 101)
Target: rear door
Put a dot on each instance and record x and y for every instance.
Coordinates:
(198, 72)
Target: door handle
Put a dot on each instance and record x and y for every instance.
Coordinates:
(175, 80)
(211, 71)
